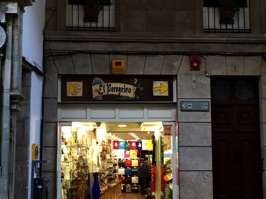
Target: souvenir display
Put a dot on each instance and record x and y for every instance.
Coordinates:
(90, 167)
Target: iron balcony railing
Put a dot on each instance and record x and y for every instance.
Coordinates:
(214, 22)
(90, 15)
(104, 19)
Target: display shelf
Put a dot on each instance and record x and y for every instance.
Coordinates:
(74, 166)
(108, 170)
(128, 174)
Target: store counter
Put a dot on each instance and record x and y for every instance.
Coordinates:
(112, 192)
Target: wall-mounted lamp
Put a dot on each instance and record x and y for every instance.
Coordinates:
(194, 62)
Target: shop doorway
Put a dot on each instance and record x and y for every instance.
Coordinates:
(114, 150)
(236, 138)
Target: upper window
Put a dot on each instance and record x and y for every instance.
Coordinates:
(234, 88)
(226, 16)
(92, 15)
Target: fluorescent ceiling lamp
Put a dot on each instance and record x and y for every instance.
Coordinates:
(122, 125)
(148, 126)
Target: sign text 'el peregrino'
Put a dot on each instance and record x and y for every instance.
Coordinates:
(114, 88)
(118, 89)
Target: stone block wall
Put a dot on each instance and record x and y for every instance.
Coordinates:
(23, 141)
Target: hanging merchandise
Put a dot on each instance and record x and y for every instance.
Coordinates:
(168, 193)
(139, 145)
(135, 179)
(138, 153)
(128, 163)
(96, 157)
(128, 171)
(149, 145)
(128, 180)
(75, 164)
(133, 145)
(148, 193)
(122, 179)
(119, 153)
(121, 171)
(133, 153)
(115, 144)
(153, 174)
(127, 154)
(121, 163)
(144, 144)
(122, 145)
(168, 171)
(135, 170)
(127, 145)
(135, 163)
(168, 178)
(108, 149)
(128, 188)
(135, 187)
(96, 187)
(88, 193)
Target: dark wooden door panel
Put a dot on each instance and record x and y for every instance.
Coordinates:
(222, 163)
(249, 167)
(222, 117)
(247, 118)
(236, 151)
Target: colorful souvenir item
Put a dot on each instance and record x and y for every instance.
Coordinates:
(115, 144)
(133, 145)
(121, 144)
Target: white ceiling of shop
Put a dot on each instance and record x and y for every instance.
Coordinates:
(125, 133)
(129, 131)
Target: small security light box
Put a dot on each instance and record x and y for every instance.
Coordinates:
(118, 66)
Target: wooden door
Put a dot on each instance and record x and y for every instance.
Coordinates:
(237, 172)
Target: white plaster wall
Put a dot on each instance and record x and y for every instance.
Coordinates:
(35, 119)
(33, 25)
(36, 108)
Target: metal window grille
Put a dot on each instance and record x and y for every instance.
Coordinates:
(212, 22)
(76, 20)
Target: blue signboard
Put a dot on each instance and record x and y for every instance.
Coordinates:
(194, 106)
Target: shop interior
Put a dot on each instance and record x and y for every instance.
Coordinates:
(102, 159)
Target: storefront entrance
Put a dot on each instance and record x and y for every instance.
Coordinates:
(105, 158)
(236, 139)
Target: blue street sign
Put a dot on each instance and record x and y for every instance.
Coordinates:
(194, 106)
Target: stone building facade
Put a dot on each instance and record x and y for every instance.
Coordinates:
(158, 38)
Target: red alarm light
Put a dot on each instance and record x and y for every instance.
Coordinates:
(194, 62)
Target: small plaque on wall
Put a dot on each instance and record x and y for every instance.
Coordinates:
(194, 106)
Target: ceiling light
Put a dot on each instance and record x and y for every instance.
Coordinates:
(122, 125)
(148, 126)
